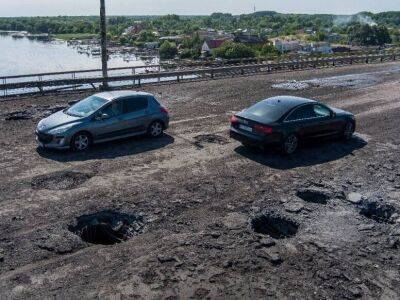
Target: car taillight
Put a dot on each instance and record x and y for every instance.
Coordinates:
(263, 129)
(234, 120)
(164, 110)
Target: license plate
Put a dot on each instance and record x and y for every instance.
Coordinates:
(246, 128)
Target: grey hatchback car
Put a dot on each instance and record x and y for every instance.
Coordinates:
(103, 117)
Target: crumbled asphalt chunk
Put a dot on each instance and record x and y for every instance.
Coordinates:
(271, 256)
(314, 195)
(2, 255)
(293, 207)
(59, 241)
(274, 225)
(166, 258)
(366, 227)
(355, 198)
(108, 227)
(63, 180)
(378, 211)
(201, 293)
(356, 292)
(266, 243)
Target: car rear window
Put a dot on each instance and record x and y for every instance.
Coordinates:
(267, 111)
(134, 104)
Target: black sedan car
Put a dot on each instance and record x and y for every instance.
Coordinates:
(286, 120)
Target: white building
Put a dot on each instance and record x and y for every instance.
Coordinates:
(324, 48)
(286, 46)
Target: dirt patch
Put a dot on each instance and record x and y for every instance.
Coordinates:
(108, 227)
(378, 211)
(200, 140)
(32, 113)
(314, 195)
(349, 81)
(274, 225)
(64, 180)
(17, 115)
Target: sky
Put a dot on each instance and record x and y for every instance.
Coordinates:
(11, 8)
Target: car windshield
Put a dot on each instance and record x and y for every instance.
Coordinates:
(269, 112)
(86, 107)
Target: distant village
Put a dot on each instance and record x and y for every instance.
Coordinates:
(212, 39)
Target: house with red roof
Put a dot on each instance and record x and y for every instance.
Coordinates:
(212, 44)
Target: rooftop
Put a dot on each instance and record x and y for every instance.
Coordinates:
(119, 94)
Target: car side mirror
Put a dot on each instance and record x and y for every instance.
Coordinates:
(101, 117)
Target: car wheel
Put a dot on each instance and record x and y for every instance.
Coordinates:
(155, 129)
(348, 131)
(81, 141)
(290, 144)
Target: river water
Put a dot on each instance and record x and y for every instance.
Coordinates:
(21, 56)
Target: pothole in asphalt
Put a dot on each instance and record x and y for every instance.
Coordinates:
(200, 140)
(108, 227)
(63, 180)
(32, 113)
(274, 225)
(314, 195)
(378, 211)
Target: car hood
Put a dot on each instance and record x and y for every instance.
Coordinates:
(341, 112)
(57, 120)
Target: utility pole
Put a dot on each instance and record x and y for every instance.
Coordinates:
(103, 37)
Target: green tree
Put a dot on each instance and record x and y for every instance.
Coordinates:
(268, 50)
(366, 35)
(231, 50)
(168, 50)
(146, 36)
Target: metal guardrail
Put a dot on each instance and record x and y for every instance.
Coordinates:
(73, 82)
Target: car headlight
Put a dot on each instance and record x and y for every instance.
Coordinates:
(61, 130)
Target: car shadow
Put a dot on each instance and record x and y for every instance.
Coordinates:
(110, 150)
(309, 154)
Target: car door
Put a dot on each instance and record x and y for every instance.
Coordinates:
(107, 126)
(303, 121)
(135, 114)
(328, 124)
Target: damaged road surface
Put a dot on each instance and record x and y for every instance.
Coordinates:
(194, 215)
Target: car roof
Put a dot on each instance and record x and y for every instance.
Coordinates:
(288, 102)
(272, 109)
(113, 95)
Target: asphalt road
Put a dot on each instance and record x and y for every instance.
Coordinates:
(201, 207)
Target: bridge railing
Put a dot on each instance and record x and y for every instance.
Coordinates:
(150, 74)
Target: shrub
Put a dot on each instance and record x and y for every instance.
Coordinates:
(231, 50)
(168, 50)
(190, 53)
(268, 50)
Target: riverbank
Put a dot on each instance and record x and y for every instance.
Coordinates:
(74, 36)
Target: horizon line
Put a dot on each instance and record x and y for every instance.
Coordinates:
(194, 15)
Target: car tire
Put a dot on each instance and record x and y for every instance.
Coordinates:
(348, 131)
(290, 144)
(81, 141)
(156, 129)
(247, 145)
